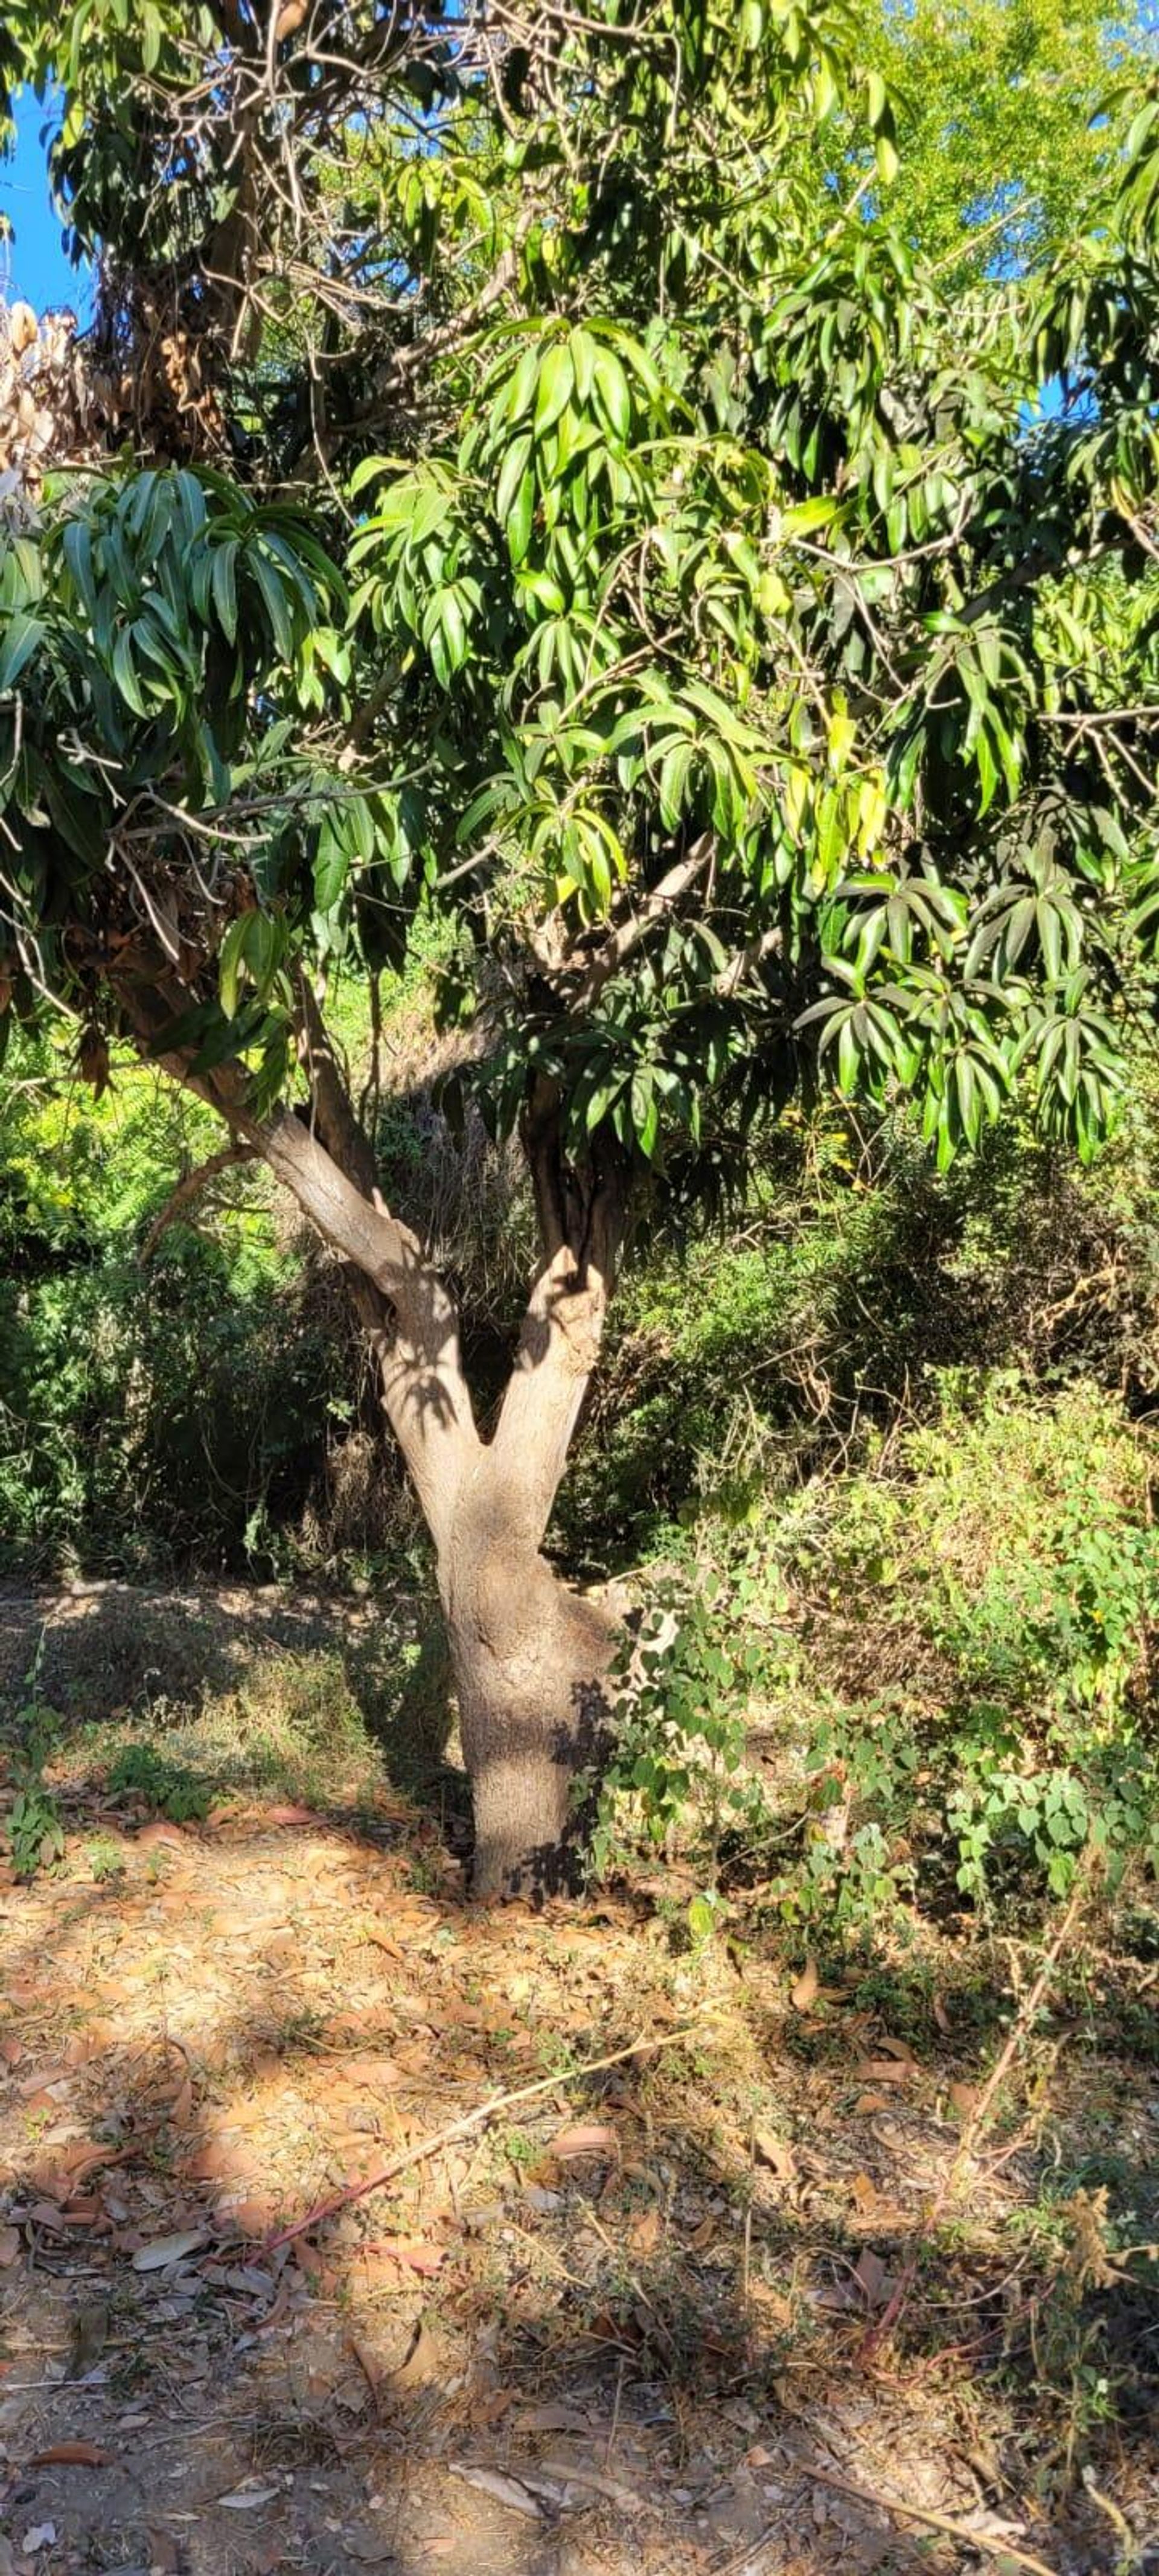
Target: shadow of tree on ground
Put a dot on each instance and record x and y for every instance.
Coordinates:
(624, 2324)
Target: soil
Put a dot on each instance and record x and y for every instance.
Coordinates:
(687, 2312)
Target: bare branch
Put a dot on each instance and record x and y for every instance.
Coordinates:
(189, 1188)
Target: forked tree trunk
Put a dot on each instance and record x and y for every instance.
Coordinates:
(531, 1659)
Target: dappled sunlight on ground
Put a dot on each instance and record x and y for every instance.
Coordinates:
(626, 2322)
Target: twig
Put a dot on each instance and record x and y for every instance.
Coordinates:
(980, 2540)
(190, 1187)
(480, 2118)
(976, 2122)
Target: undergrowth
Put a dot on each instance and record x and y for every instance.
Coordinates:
(926, 1683)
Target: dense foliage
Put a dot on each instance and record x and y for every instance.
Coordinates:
(711, 597)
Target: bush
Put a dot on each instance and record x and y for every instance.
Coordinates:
(926, 1679)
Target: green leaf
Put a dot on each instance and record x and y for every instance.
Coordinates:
(225, 587)
(276, 594)
(674, 775)
(612, 398)
(556, 380)
(331, 869)
(19, 642)
(229, 964)
(519, 522)
(511, 476)
(125, 675)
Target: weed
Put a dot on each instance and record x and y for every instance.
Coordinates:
(35, 1831)
(165, 1786)
(679, 1755)
(104, 1859)
(423, 1874)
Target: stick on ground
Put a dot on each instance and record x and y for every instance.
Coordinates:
(984, 2541)
(465, 2127)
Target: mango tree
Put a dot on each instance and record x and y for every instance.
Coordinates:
(519, 478)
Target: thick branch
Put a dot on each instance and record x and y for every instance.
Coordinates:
(558, 1348)
(424, 1389)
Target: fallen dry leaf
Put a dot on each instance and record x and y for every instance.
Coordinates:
(248, 2497)
(586, 2139)
(867, 2102)
(491, 2482)
(941, 2016)
(409, 2251)
(864, 2191)
(556, 2418)
(572, 2472)
(169, 2249)
(803, 1994)
(69, 2455)
(161, 1836)
(898, 2048)
(422, 2365)
(883, 2070)
(9, 2246)
(774, 2152)
(872, 2278)
(964, 2098)
(490, 2410)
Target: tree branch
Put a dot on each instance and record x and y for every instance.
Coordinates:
(620, 943)
(559, 1345)
(332, 1176)
(189, 1188)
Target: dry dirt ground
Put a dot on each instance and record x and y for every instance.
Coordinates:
(688, 2311)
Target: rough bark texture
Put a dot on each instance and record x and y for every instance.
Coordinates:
(530, 1659)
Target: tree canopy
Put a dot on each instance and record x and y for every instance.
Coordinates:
(703, 591)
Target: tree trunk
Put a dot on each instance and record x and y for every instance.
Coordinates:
(531, 1661)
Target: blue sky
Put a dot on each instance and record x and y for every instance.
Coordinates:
(34, 264)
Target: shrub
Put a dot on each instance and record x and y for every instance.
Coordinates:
(937, 1666)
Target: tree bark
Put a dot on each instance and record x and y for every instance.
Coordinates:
(531, 1658)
